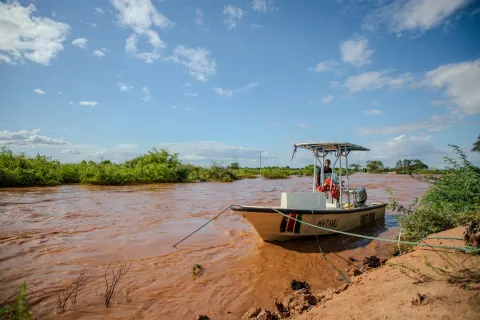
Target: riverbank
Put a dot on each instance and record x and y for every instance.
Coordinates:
(423, 284)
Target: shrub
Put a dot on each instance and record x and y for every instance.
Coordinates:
(275, 173)
(451, 201)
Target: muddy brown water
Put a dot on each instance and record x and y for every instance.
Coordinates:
(48, 235)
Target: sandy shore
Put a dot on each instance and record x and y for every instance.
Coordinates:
(426, 283)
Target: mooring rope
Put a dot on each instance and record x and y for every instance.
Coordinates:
(218, 215)
(325, 258)
(468, 249)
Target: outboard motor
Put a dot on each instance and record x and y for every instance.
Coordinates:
(360, 196)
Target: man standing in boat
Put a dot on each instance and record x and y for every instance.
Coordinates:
(326, 169)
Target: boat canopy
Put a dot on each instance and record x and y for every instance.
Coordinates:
(330, 146)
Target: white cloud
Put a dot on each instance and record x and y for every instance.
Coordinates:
(327, 99)
(223, 92)
(71, 152)
(39, 91)
(439, 102)
(203, 150)
(373, 112)
(199, 17)
(99, 53)
(146, 94)
(462, 83)
(80, 42)
(355, 52)
(141, 16)
(174, 107)
(23, 36)
(98, 11)
(59, 92)
(190, 94)
(229, 92)
(88, 103)
(123, 87)
(188, 109)
(435, 123)
(325, 65)
(94, 25)
(186, 84)
(263, 5)
(256, 26)
(413, 15)
(302, 125)
(196, 60)
(403, 146)
(25, 137)
(233, 15)
(376, 80)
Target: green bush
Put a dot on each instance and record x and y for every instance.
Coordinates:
(451, 201)
(275, 173)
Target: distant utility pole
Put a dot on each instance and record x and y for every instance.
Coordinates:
(261, 162)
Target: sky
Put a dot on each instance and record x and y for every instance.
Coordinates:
(217, 80)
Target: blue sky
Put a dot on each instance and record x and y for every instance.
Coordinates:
(217, 80)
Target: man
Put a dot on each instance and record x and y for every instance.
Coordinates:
(326, 169)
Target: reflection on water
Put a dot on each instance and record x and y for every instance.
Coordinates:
(50, 234)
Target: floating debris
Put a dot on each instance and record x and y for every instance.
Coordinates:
(298, 285)
(203, 317)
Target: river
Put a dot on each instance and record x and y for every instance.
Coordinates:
(49, 234)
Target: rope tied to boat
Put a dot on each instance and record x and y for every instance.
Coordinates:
(218, 215)
(466, 249)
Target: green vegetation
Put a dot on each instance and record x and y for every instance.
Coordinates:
(409, 166)
(158, 166)
(451, 201)
(17, 309)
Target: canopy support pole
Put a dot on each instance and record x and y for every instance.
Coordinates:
(315, 170)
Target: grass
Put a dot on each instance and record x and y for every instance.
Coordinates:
(451, 201)
(18, 308)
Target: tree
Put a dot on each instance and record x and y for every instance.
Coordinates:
(234, 165)
(355, 167)
(476, 145)
(375, 166)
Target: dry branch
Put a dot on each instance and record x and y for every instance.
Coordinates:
(119, 269)
(69, 295)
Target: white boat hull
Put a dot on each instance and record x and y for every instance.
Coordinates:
(272, 226)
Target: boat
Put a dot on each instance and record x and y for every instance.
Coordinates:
(332, 205)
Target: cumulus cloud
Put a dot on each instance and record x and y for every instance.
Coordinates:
(23, 36)
(256, 26)
(413, 15)
(39, 91)
(25, 137)
(196, 60)
(229, 92)
(123, 87)
(99, 53)
(190, 94)
(214, 150)
(376, 80)
(186, 84)
(146, 94)
(263, 5)
(327, 99)
(233, 15)
(461, 82)
(80, 42)
(435, 123)
(373, 112)
(88, 103)
(355, 52)
(141, 16)
(403, 146)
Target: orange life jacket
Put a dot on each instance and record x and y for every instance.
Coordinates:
(335, 192)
